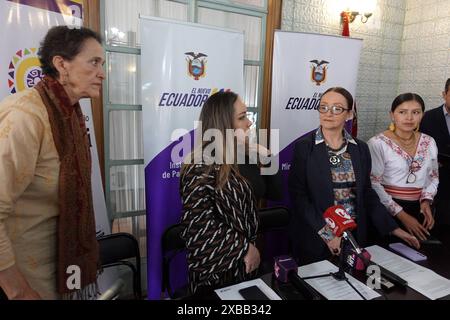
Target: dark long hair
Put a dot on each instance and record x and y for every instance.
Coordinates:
(404, 97)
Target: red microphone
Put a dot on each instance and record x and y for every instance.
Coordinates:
(339, 220)
(341, 224)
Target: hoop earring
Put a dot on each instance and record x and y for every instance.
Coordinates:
(392, 127)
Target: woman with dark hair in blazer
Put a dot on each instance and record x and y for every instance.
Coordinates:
(332, 168)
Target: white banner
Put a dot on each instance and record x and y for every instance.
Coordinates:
(304, 66)
(25, 23)
(182, 65)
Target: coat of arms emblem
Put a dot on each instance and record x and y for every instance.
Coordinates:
(319, 71)
(196, 64)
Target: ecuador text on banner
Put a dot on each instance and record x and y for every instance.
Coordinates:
(304, 66)
(182, 65)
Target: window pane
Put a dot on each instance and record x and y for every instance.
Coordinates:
(249, 24)
(253, 117)
(122, 18)
(125, 135)
(256, 3)
(251, 86)
(124, 78)
(127, 188)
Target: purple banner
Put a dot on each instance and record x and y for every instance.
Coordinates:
(164, 209)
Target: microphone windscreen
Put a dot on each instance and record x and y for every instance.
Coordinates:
(339, 220)
(282, 266)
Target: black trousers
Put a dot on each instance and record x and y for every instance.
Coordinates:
(412, 208)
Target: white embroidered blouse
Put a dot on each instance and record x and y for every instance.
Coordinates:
(396, 173)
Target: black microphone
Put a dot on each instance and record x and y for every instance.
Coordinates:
(285, 270)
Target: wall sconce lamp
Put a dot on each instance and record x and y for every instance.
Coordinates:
(353, 14)
(348, 17)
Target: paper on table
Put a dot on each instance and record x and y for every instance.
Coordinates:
(421, 279)
(232, 292)
(331, 288)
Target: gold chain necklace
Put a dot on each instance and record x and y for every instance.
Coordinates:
(409, 144)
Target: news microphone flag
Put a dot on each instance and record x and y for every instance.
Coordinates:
(341, 224)
(339, 220)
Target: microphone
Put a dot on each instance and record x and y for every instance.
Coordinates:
(341, 224)
(339, 220)
(285, 270)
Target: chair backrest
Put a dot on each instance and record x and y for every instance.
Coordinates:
(117, 246)
(116, 249)
(171, 238)
(171, 242)
(171, 245)
(273, 218)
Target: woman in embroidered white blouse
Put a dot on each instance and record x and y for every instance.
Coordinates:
(405, 167)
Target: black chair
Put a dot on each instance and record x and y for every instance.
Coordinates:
(270, 219)
(116, 249)
(273, 223)
(171, 245)
(274, 218)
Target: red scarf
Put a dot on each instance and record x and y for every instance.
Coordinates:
(77, 244)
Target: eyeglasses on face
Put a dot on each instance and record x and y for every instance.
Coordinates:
(323, 108)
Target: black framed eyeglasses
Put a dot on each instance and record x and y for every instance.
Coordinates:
(334, 109)
(413, 167)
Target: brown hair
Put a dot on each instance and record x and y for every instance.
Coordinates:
(65, 42)
(343, 92)
(218, 113)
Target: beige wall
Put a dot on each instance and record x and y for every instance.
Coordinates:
(425, 53)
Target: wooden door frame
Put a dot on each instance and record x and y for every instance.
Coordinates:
(92, 20)
(273, 23)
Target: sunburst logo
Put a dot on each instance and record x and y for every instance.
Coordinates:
(24, 70)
